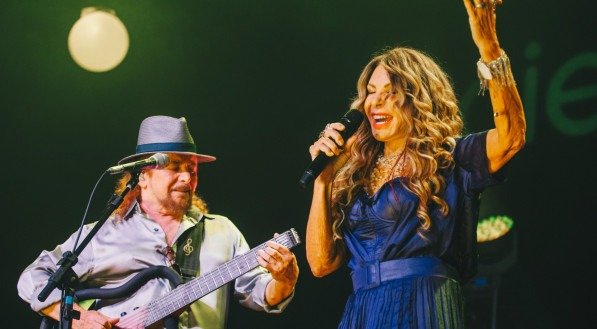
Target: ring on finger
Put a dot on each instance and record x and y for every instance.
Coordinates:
(322, 133)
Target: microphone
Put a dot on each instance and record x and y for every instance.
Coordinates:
(157, 160)
(351, 121)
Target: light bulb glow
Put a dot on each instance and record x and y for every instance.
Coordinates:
(98, 41)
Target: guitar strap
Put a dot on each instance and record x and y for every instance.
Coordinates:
(188, 247)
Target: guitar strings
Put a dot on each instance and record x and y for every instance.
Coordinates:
(148, 314)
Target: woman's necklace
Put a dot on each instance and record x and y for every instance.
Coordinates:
(386, 167)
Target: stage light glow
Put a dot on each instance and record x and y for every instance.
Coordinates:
(493, 228)
(98, 41)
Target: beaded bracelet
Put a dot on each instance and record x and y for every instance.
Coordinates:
(498, 68)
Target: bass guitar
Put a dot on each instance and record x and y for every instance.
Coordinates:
(184, 294)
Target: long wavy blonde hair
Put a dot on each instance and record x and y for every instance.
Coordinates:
(122, 210)
(429, 111)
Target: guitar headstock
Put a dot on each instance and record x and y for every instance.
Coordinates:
(288, 239)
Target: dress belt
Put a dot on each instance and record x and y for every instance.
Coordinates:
(372, 274)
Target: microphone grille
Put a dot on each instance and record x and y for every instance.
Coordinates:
(161, 160)
(353, 119)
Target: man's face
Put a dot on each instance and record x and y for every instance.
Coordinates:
(170, 189)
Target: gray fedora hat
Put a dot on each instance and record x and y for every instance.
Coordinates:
(165, 134)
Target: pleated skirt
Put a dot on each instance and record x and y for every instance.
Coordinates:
(409, 303)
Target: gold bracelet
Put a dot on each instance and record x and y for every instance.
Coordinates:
(498, 68)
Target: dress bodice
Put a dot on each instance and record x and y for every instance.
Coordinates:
(385, 225)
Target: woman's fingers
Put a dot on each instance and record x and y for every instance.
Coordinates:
(329, 142)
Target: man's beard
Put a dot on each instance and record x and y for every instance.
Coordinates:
(180, 206)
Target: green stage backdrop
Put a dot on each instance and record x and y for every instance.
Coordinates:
(257, 81)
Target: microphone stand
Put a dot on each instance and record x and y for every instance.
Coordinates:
(65, 277)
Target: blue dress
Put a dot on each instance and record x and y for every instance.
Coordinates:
(384, 227)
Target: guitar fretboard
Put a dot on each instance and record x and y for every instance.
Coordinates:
(193, 290)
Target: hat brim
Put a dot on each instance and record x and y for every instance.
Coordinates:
(201, 158)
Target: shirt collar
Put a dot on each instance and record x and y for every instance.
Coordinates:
(191, 218)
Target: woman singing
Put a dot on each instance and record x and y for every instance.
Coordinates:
(399, 201)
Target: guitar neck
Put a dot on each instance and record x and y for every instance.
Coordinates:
(193, 290)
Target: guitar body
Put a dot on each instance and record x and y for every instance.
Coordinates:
(165, 309)
(125, 290)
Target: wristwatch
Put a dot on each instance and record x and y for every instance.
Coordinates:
(484, 71)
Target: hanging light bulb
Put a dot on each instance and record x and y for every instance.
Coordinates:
(98, 41)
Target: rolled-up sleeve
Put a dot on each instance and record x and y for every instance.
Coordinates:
(471, 155)
(250, 291)
(35, 277)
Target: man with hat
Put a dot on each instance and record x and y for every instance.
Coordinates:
(163, 222)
